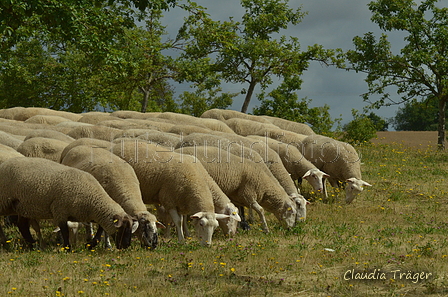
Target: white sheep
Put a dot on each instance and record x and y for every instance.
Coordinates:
(225, 114)
(24, 113)
(179, 187)
(130, 114)
(269, 156)
(339, 159)
(46, 133)
(95, 117)
(9, 140)
(295, 127)
(98, 132)
(36, 188)
(92, 142)
(295, 163)
(246, 184)
(246, 127)
(120, 182)
(47, 119)
(41, 147)
(184, 119)
(183, 129)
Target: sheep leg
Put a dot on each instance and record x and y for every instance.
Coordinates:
(3, 238)
(177, 220)
(65, 233)
(260, 212)
(36, 227)
(185, 226)
(96, 239)
(243, 224)
(24, 227)
(89, 232)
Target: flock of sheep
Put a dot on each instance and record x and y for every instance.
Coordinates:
(108, 168)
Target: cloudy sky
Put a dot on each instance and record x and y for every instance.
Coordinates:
(333, 24)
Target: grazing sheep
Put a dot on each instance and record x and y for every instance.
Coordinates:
(225, 114)
(120, 182)
(92, 142)
(36, 189)
(295, 127)
(24, 113)
(7, 153)
(246, 127)
(256, 151)
(130, 114)
(41, 147)
(47, 119)
(98, 132)
(339, 159)
(45, 133)
(183, 119)
(246, 184)
(9, 140)
(178, 186)
(187, 129)
(295, 163)
(95, 117)
(164, 139)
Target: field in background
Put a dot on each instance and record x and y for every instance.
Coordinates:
(414, 139)
(397, 227)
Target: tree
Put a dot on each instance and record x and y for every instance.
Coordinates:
(360, 130)
(379, 123)
(417, 116)
(285, 104)
(248, 53)
(421, 67)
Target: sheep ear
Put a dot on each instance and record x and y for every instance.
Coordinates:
(308, 173)
(197, 215)
(366, 184)
(236, 217)
(220, 216)
(351, 180)
(160, 225)
(134, 226)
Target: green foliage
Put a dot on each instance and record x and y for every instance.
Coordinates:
(285, 104)
(361, 130)
(417, 116)
(379, 123)
(420, 68)
(196, 103)
(247, 52)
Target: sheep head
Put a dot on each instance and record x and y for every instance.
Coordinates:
(353, 188)
(205, 223)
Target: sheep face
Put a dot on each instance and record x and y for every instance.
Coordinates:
(147, 233)
(205, 224)
(300, 203)
(287, 214)
(125, 227)
(316, 179)
(229, 222)
(353, 188)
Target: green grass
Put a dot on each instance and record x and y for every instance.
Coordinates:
(400, 223)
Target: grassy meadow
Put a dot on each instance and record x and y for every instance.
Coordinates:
(394, 234)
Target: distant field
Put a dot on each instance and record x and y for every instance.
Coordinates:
(417, 139)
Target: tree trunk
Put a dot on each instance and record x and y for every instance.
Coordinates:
(249, 93)
(145, 99)
(441, 126)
